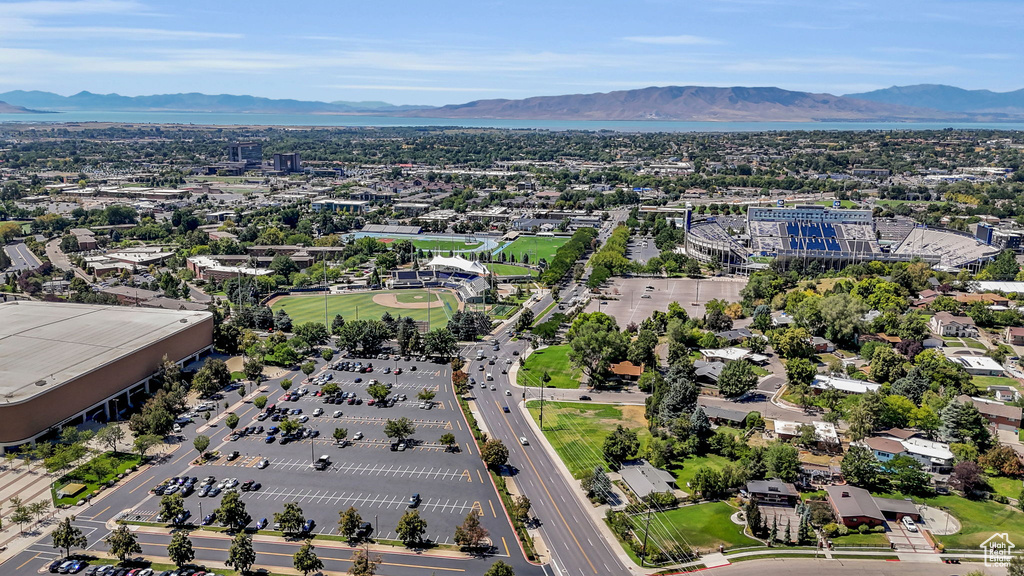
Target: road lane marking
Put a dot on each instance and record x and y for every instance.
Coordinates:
(491, 502)
(144, 483)
(27, 561)
(507, 553)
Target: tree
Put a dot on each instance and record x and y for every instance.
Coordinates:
(288, 425)
(525, 320)
(213, 376)
(706, 481)
(67, 536)
(887, 365)
(285, 384)
(253, 369)
(231, 512)
(440, 342)
(378, 392)
(460, 381)
(962, 422)
(737, 378)
(448, 440)
(794, 343)
(968, 477)
(783, 461)
(171, 507)
(232, 420)
(521, 508)
(20, 513)
(305, 559)
(307, 368)
(907, 476)
(340, 434)
(110, 435)
(122, 543)
(241, 555)
(499, 568)
(399, 429)
(619, 445)
(290, 519)
(282, 321)
(313, 332)
(596, 484)
(411, 528)
(426, 395)
(260, 402)
(1003, 460)
(912, 386)
(1015, 568)
(348, 522)
(201, 443)
(145, 442)
(859, 467)
(362, 565)
(594, 343)
(180, 550)
(330, 389)
(841, 316)
(470, 534)
(494, 453)
(641, 350)
(800, 373)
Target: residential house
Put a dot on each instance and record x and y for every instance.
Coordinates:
(773, 491)
(1014, 335)
(998, 414)
(1003, 393)
(725, 416)
(627, 370)
(708, 372)
(979, 365)
(644, 479)
(889, 444)
(856, 506)
(822, 344)
(823, 382)
(825, 434)
(947, 325)
(735, 335)
(730, 354)
(987, 298)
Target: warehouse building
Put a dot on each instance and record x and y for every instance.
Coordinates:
(64, 364)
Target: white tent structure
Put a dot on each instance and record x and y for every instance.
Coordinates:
(458, 263)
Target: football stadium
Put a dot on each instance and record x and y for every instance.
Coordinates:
(832, 237)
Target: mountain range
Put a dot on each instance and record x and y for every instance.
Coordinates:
(921, 103)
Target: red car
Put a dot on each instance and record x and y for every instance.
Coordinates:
(371, 402)
(284, 398)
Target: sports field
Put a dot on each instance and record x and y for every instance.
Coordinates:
(510, 270)
(442, 245)
(537, 247)
(368, 305)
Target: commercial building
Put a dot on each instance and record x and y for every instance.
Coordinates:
(288, 163)
(70, 363)
(339, 205)
(250, 153)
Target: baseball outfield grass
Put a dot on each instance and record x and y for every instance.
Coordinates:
(361, 306)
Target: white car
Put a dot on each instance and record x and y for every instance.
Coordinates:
(508, 392)
(524, 441)
(909, 524)
(318, 412)
(357, 436)
(337, 413)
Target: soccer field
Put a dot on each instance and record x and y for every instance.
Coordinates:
(537, 247)
(362, 306)
(445, 245)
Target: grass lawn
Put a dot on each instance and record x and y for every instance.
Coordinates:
(734, 431)
(577, 431)
(857, 539)
(1009, 487)
(535, 247)
(555, 361)
(978, 520)
(842, 203)
(898, 202)
(972, 343)
(703, 526)
(443, 245)
(418, 297)
(510, 270)
(361, 306)
(114, 464)
(983, 382)
(689, 467)
(760, 371)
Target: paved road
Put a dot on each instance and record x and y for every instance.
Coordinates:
(21, 257)
(59, 259)
(811, 567)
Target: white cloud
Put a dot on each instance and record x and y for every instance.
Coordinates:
(681, 40)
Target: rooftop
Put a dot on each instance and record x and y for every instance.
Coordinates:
(46, 344)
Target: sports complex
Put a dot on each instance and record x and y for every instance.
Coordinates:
(435, 306)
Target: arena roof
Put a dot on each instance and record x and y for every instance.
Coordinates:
(43, 344)
(458, 262)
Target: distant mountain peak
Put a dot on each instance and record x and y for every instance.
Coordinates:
(950, 99)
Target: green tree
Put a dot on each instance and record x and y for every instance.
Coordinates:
(231, 421)
(348, 522)
(313, 332)
(213, 376)
(171, 507)
(290, 519)
(121, 543)
(494, 453)
(737, 378)
(783, 461)
(232, 513)
(525, 320)
(521, 508)
(180, 550)
(641, 350)
(426, 395)
(594, 346)
(260, 402)
(110, 435)
(305, 559)
(307, 368)
(860, 468)
(411, 528)
(286, 384)
(907, 476)
(340, 434)
(20, 513)
(619, 445)
(794, 343)
(499, 568)
(399, 429)
(67, 536)
(288, 425)
(962, 422)
(448, 440)
(378, 392)
(241, 555)
(470, 534)
(440, 342)
(201, 443)
(253, 369)
(362, 565)
(887, 365)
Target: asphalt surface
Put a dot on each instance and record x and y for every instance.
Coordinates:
(21, 257)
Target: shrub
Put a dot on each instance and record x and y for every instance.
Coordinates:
(863, 529)
(1001, 499)
(831, 529)
(843, 530)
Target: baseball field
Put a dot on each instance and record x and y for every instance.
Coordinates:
(371, 305)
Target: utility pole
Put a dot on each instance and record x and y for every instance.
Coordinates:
(542, 406)
(647, 530)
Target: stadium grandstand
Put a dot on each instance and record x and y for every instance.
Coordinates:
(464, 276)
(830, 236)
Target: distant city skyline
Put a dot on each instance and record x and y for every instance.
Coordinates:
(447, 52)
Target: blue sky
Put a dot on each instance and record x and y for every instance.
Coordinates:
(446, 51)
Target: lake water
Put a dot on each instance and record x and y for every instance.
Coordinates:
(218, 119)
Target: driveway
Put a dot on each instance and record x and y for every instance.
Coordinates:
(905, 540)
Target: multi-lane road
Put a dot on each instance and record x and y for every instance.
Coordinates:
(21, 257)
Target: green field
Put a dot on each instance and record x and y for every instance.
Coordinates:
(577, 431)
(979, 519)
(510, 270)
(418, 297)
(703, 527)
(362, 307)
(983, 382)
(1009, 487)
(855, 538)
(898, 202)
(842, 203)
(442, 245)
(112, 463)
(536, 247)
(555, 361)
(689, 467)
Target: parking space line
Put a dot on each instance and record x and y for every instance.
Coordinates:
(491, 502)
(478, 475)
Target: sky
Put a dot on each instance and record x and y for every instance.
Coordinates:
(445, 51)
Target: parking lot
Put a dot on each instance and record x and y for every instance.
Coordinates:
(367, 473)
(629, 300)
